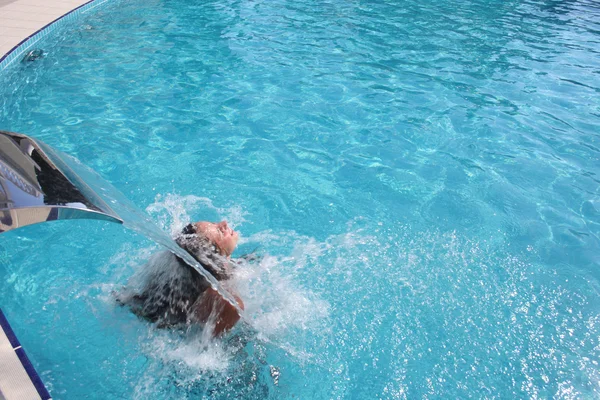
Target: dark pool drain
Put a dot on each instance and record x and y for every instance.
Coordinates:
(33, 55)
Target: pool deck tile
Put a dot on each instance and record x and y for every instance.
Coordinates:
(20, 19)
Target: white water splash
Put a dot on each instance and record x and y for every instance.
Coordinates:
(276, 304)
(172, 211)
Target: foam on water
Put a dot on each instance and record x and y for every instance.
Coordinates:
(172, 212)
(417, 309)
(447, 292)
(274, 303)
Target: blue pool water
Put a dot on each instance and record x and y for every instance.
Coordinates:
(422, 177)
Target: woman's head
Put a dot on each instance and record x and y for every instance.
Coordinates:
(220, 234)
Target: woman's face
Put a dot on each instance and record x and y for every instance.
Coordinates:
(220, 234)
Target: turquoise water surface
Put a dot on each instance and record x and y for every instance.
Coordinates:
(422, 178)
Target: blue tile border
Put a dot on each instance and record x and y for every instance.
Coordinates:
(12, 338)
(31, 372)
(17, 52)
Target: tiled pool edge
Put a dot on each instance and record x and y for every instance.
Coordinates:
(27, 43)
(25, 388)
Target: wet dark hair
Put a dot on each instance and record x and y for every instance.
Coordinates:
(204, 251)
(189, 229)
(170, 291)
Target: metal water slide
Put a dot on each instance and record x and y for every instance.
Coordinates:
(36, 185)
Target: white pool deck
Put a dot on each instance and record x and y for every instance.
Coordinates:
(20, 19)
(14, 381)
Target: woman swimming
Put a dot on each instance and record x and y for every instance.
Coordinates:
(170, 292)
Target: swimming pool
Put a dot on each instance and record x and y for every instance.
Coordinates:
(421, 177)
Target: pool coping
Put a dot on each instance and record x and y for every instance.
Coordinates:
(16, 53)
(20, 379)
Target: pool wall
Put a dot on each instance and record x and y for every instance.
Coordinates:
(28, 28)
